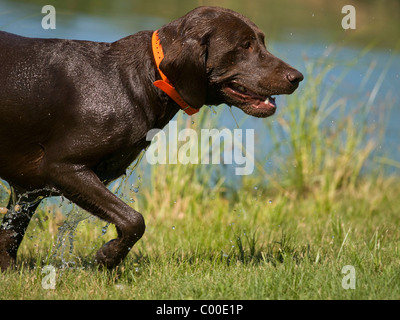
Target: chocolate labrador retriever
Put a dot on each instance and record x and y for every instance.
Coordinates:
(75, 114)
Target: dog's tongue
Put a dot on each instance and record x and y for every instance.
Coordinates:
(268, 103)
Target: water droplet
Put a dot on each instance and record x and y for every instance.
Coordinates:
(136, 189)
(120, 286)
(104, 229)
(269, 201)
(255, 188)
(173, 227)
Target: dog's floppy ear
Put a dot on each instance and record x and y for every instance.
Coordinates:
(184, 64)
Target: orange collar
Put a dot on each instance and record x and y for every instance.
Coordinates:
(164, 84)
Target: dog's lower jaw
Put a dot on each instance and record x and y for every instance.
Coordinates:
(257, 112)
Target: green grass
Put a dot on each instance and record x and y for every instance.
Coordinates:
(289, 237)
(216, 250)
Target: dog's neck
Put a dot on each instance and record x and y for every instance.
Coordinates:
(164, 84)
(154, 107)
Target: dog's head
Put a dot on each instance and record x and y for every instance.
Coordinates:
(215, 55)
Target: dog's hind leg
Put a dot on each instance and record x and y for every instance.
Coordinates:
(20, 210)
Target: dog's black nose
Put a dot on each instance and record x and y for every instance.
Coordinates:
(294, 77)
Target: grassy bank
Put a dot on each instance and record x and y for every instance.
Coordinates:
(284, 233)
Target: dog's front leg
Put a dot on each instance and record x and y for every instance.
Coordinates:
(82, 186)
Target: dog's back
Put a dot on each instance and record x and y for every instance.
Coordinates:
(38, 89)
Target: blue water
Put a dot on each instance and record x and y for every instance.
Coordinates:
(25, 19)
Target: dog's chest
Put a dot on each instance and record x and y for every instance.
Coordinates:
(115, 165)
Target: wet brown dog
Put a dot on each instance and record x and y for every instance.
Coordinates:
(74, 114)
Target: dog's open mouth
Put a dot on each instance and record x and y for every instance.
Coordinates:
(251, 102)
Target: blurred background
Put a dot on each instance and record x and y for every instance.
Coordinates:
(359, 69)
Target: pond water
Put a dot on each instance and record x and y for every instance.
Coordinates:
(294, 30)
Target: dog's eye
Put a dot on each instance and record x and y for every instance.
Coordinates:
(246, 45)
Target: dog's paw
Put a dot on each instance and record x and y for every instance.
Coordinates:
(111, 254)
